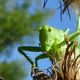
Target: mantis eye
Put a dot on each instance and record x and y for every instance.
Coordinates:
(49, 30)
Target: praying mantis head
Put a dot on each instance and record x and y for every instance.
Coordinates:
(46, 37)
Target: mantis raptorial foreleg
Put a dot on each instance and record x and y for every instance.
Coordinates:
(36, 73)
(21, 49)
(43, 56)
(30, 48)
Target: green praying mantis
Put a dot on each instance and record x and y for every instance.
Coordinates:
(51, 44)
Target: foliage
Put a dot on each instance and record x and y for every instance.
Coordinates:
(12, 71)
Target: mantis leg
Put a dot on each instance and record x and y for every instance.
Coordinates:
(29, 48)
(42, 56)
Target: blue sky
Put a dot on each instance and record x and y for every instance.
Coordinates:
(53, 21)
